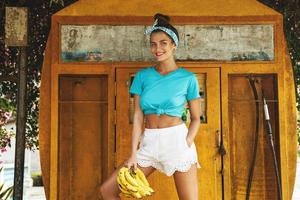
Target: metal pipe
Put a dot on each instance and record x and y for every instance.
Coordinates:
(20, 126)
(271, 142)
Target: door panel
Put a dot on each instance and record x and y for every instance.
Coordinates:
(83, 111)
(206, 141)
(208, 138)
(242, 136)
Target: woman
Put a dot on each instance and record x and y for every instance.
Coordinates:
(160, 93)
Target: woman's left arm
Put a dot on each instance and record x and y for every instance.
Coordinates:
(194, 106)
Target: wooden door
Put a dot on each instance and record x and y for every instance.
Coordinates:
(241, 137)
(83, 111)
(210, 180)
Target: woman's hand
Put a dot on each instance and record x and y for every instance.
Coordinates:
(131, 163)
(189, 141)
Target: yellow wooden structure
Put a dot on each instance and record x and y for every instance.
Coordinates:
(85, 108)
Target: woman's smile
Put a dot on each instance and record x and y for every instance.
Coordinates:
(159, 54)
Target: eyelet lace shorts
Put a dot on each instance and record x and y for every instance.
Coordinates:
(166, 150)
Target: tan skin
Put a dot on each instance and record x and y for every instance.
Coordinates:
(162, 48)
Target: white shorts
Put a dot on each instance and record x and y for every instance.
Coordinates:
(166, 150)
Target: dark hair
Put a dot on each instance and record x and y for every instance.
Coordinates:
(164, 21)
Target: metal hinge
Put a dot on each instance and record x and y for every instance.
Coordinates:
(220, 146)
(222, 150)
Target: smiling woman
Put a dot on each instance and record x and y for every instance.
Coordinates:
(164, 38)
(160, 94)
(162, 46)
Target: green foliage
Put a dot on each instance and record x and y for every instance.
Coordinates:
(184, 114)
(39, 22)
(5, 138)
(6, 105)
(37, 179)
(7, 110)
(298, 131)
(5, 194)
(61, 2)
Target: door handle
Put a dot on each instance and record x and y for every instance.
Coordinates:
(220, 146)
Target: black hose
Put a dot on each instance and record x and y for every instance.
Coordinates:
(276, 167)
(271, 142)
(250, 176)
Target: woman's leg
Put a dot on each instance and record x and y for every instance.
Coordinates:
(109, 190)
(187, 184)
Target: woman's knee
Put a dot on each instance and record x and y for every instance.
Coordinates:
(103, 190)
(107, 192)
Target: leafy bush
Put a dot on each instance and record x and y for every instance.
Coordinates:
(37, 179)
(7, 111)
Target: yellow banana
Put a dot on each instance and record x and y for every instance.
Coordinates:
(130, 178)
(121, 179)
(143, 189)
(150, 189)
(128, 195)
(133, 184)
(130, 187)
(123, 182)
(141, 175)
(136, 195)
(124, 191)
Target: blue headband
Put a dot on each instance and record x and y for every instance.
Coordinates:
(164, 29)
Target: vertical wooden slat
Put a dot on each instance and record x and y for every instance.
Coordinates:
(54, 136)
(65, 151)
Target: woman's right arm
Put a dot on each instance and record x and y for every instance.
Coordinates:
(138, 120)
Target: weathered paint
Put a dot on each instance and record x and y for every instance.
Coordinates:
(90, 43)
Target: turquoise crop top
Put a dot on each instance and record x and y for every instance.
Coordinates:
(164, 94)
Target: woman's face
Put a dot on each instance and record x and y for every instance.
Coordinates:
(161, 45)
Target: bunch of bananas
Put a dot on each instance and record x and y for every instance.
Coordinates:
(133, 184)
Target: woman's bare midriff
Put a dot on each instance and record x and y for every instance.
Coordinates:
(162, 121)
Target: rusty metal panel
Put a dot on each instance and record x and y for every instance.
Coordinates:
(84, 43)
(16, 26)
